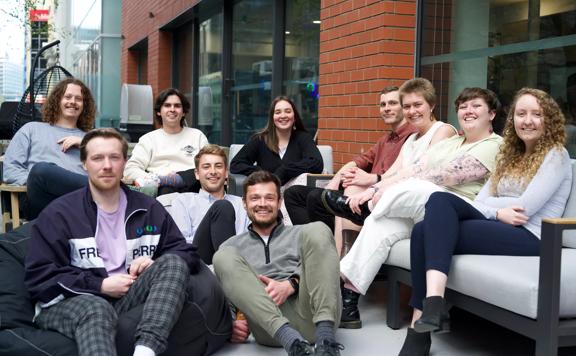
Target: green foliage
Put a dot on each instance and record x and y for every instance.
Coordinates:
(20, 11)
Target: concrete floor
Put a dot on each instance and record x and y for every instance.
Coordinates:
(470, 336)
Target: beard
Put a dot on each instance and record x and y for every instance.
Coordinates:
(260, 222)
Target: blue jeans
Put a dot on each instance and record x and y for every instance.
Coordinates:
(450, 227)
(46, 182)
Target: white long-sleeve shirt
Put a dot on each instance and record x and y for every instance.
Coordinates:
(160, 153)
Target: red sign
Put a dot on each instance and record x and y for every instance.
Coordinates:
(39, 15)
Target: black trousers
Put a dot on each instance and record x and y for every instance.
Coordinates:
(191, 184)
(204, 326)
(304, 205)
(451, 227)
(217, 226)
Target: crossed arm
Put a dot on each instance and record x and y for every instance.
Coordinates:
(460, 170)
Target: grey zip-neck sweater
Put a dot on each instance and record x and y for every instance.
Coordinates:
(279, 259)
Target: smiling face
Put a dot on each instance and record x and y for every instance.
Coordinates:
(283, 116)
(528, 121)
(475, 117)
(104, 163)
(417, 111)
(262, 203)
(171, 112)
(72, 103)
(390, 108)
(211, 172)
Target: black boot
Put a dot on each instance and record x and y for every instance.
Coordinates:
(350, 314)
(416, 344)
(335, 203)
(434, 316)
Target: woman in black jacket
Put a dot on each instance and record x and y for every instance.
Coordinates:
(283, 147)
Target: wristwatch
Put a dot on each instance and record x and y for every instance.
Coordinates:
(295, 283)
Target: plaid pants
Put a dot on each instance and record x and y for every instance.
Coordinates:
(91, 320)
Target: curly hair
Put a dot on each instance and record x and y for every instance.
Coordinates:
(511, 160)
(52, 111)
(268, 134)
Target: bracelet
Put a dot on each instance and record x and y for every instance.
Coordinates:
(375, 188)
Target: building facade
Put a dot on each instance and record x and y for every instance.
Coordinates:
(11, 80)
(232, 57)
(90, 37)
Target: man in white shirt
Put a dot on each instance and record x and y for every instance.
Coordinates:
(209, 217)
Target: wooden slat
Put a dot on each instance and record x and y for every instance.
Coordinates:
(557, 221)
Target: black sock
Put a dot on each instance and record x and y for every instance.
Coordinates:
(325, 331)
(286, 335)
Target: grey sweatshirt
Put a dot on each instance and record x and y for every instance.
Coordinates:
(38, 142)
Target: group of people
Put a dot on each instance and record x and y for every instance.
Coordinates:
(472, 193)
(103, 248)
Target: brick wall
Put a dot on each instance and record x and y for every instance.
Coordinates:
(142, 19)
(365, 45)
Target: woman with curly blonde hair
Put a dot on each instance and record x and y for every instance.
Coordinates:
(45, 156)
(512, 159)
(532, 180)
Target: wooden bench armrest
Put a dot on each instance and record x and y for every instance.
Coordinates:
(560, 221)
(13, 188)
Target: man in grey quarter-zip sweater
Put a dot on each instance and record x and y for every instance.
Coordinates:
(283, 278)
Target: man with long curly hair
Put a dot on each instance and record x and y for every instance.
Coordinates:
(45, 156)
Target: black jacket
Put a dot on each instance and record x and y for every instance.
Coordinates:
(302, 156)
(61, 261)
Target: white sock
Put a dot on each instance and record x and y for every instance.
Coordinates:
(142, 350)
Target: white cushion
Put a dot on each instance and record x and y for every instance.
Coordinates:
(508, 282)
(512, 282)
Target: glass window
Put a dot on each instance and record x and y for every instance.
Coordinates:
(183, 53)
(505, 46)
(252, 67)
(302, 48)
(210, 78)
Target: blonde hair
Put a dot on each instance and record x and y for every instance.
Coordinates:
(511, 160)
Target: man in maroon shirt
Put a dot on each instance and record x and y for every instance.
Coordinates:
(304, 204)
